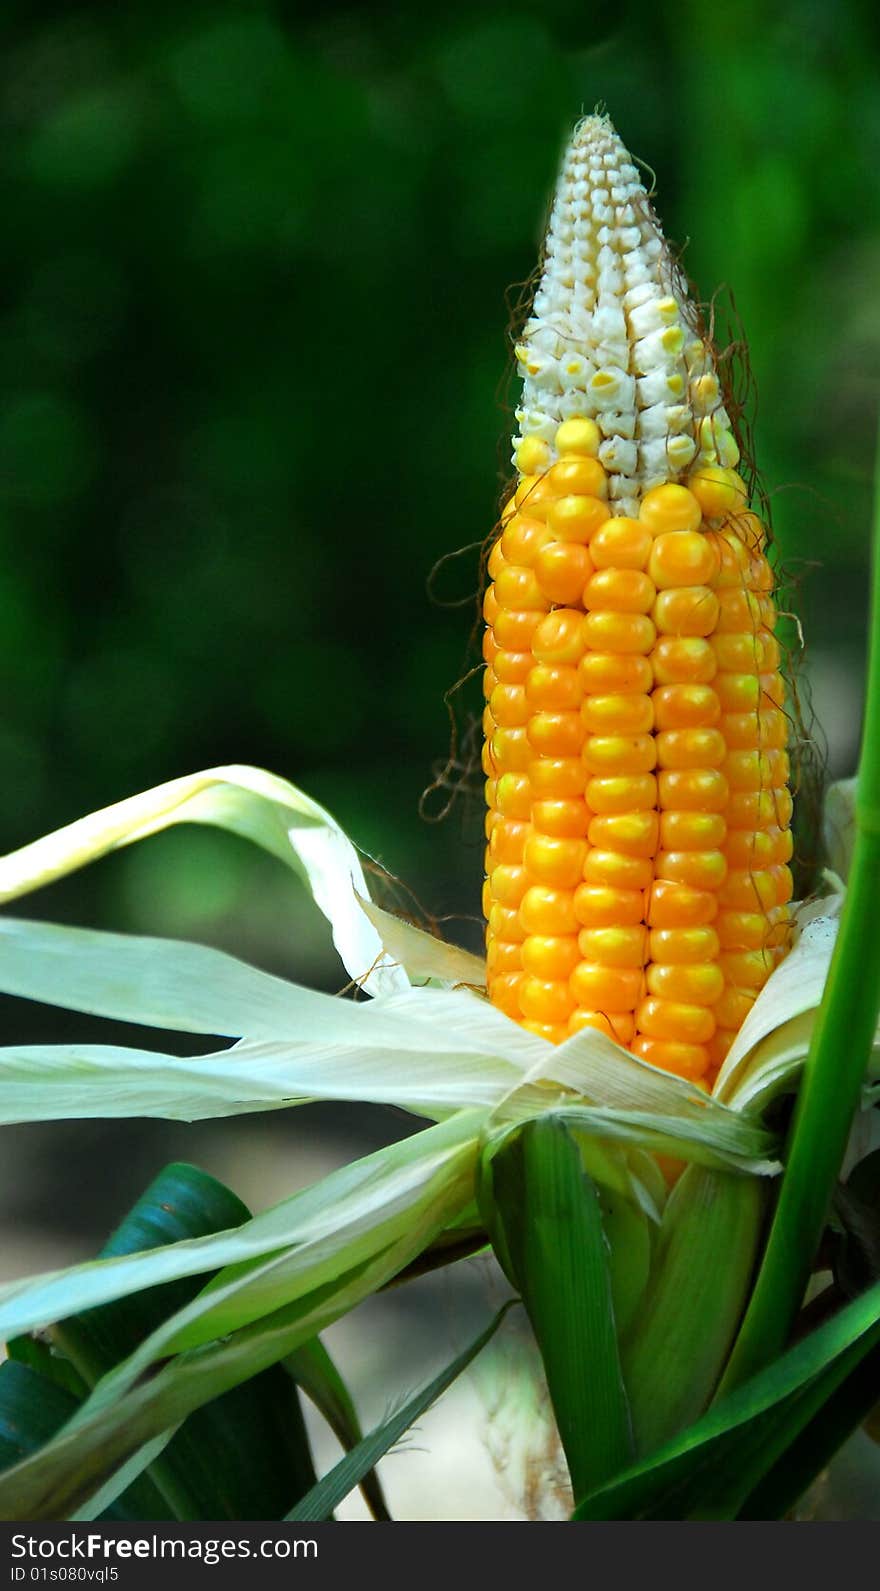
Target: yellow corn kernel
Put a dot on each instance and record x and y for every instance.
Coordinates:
(738, 693)
(578, 436)
(629, 833)
(509, 706)
(563, 569)
(504, 992)
(621, 544)
(522, 541)
(578, 477)
(752, 809)
(512, 668)
(569, 819)
(621, 872)
(507, 842)
(496, 561)
(619, 591)
(690, 748)
(718, 491)
(624, 715)
(606, 631)
(552, 958)
(605, 906)
(685, 1060)
(692, 831)
(666, 508)
(518, 588)
(756, 770)
(559, 638)
(557, 778)
(553, 1032)
(613, 947)
(739, 653)
(673, 905)
(554, 686)
(532, 456)
(683, 660)
(617, 1025)
(615, 673)
(701, 870)
(749, 889)
(683, 558)
(694, 985)
(610, 754)
(685, 610)
(545, 1000)
(554, 861)
(508, 885)
(683, 946)
(502, 957)
(600, 988)
(767, 727)
(576, 519)
(745, 930)
(504, 924)
(675, 1020)
(629, 792)
(733, 1008)
(686, 706)
(511, 752)
(556, 734)
(515, 629)
(752, 848)
(693, 790)
(548, 911)
(747, 969)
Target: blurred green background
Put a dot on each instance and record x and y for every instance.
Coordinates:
(254, 364)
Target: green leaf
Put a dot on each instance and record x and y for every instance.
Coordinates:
(545, 1219)
(712, 1467)
(32, 1409)
(320, 1502)
(245, 1455)
(126, 1411)
(705, 1257)
(317, 1376)
(809, 1454)
(840, 1051)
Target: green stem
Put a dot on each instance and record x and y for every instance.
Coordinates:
(835, 1068)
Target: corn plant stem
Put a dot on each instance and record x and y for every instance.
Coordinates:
(835, 1067)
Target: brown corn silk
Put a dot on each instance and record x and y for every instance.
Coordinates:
(638, 825)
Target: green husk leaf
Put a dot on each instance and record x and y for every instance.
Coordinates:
(705, 1256)
(545, 1220)
(710, 1469)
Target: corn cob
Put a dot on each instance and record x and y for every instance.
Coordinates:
(637, 777)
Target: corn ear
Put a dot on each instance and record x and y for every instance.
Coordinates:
(638, 823)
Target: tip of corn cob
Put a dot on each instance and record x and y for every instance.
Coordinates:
(613, 336)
